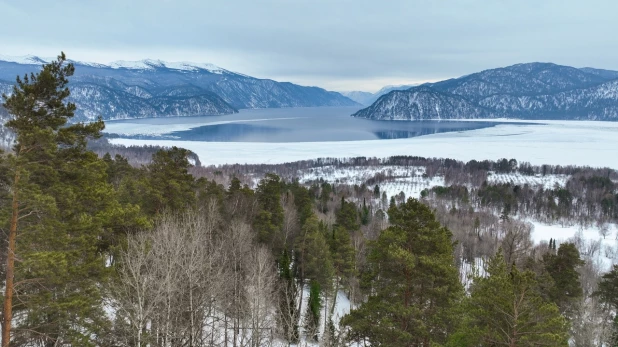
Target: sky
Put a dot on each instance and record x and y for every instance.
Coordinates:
(340, 45)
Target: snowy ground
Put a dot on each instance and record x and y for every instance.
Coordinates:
(603, 249)
(556, 142)
(547, 182)
(358, 174)
(408, 180)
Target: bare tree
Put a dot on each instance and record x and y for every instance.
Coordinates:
(136, 291)
(516, 243)
(260, 292)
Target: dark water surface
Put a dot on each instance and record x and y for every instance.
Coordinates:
(311, 124)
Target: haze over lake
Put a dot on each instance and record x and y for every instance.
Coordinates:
(311, 124)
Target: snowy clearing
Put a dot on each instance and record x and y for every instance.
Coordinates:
(592, 243)
(547, 182)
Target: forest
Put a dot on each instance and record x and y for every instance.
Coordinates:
(103, 250)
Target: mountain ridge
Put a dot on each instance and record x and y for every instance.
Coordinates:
(524, 91)
(154, 88)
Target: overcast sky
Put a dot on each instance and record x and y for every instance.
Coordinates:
(336, 44)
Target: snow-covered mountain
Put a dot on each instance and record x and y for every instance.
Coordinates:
(422, 103)
(366, 98)
(526, 91)
(154, 88)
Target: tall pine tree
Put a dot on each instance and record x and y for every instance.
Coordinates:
(62, 207)
(413, 282)
(506, 309)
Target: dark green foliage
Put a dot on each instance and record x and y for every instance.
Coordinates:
(170, 186)
(325, 197)
(505, 309)
(364, 214)
(68, 209)
(314, 259)
(342, 252)
(313, 313)
(413, 282)
(302, 200)
(608, 293)
(347, 216)
(270, 217)
(562, 267)
(453, 192)
(118, 168)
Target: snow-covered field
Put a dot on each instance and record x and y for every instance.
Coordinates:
(547, 182)
(555, 142)
(358, 174)
(408, 180)
(603, 249)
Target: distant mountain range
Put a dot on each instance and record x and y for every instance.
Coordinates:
(366, 98)
(153, 88)
(524, 91)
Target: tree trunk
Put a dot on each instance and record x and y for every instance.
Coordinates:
(10, 268)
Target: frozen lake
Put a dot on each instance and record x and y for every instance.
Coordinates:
(283, 125)
(544, 142)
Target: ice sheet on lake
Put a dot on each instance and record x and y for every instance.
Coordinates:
(127, 128)
(557, 143)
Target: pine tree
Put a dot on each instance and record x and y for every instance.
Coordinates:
(608, 293)
(562, 267)
(62, 208)
(343, 257)
(505, 309)
(413, 282)
(347, 216)
(314, 264)
(270, 217)
(171, 186)
(314, 258)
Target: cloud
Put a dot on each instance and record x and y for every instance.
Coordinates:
(340, 44)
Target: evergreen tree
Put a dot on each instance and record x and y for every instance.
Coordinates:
(343, 258)
(62, 208)
(170, 185)
(505, 309)
(608, 293)
(313, 313)
(347, 216)
(413, 282)
(364, 214)
(314, 264)
(270, 216)
(314, 258)
(562, 267)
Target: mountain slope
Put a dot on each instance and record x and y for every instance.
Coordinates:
(93, 100)
(422, 103)
(153, 88)
(527, 91)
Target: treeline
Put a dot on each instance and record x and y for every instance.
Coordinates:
(454, 171)
(135, 155)
(586, 199)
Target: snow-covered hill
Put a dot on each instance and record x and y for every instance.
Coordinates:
(422, 103)
(526, 91)
(154, 88)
